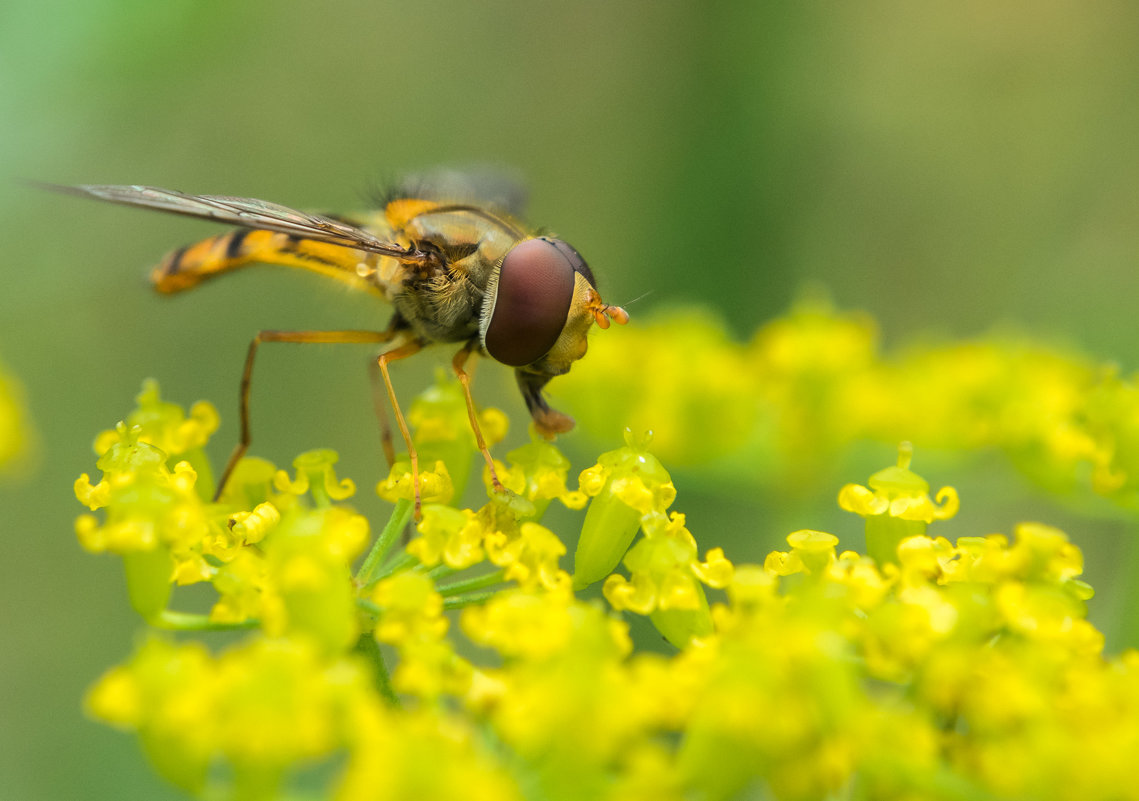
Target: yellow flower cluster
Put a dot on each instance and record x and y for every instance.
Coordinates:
(929, 669)
(14, 425)
(778, 408)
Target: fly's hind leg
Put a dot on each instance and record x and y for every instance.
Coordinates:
(375, 379)
(297, 337)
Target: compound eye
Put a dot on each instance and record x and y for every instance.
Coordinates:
(534, 292)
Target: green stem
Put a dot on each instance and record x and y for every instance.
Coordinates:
(475, 583)
(368, 648)
(371, 607)
(370, 569)
(401, 562)
(191, 621)
(440, 571)
(471, 599)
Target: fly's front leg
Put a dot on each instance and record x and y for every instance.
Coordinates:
(298, 337)
(402, 352)
(465, 379)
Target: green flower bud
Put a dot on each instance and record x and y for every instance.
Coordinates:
(624, 485)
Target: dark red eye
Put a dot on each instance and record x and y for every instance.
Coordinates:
(535, 288)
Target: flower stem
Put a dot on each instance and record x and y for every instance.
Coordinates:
(470, 599)
(475, 583)
(368, 648)
(401, 562)
(370, 569)
(191, 621)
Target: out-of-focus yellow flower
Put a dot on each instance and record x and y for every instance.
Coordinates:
(316, 472)
(264, 707)
(245, 592)
(451, 536)
(425, 753)
(165, 693)
(15, 427)
(168, 428)
(165, 425)
(410, 608)
(154, 518)
(689, 382)
(309, 567)
(811, 552)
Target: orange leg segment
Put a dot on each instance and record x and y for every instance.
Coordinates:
(297, 337)
(464, 378)
(402, 352)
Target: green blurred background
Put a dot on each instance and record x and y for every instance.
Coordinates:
(947, 166)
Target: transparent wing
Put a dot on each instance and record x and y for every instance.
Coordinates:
(496, 187)
(246, 212)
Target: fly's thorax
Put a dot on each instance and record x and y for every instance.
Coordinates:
(441, 308)
(441, 301)
(471, 241)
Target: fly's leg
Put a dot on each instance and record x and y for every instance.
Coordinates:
(464, 378)
(381, 412)
(402, 352)
(298, 337)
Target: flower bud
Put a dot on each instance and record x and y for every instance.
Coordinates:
(624, 485)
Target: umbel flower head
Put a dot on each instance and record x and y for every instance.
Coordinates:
(458, 658)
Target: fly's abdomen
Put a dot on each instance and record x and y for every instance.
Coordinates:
(187, 267)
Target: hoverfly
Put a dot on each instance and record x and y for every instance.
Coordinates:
(455, 272)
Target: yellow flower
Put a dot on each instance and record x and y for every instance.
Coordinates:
(664, 581)
(441, 430)
(522, 623)
(15, 428)
(410, 609)
(251, 527)
(434, 484)
(164, 425)
(538, 472)
(425, 753)
(896, 506)
(451, 536)
(309, 554)
(811, 552)
(530, 554)
(315, 472)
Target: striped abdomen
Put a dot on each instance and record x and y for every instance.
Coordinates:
(189, 266)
